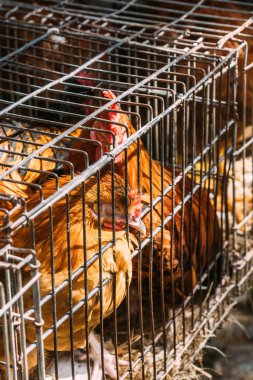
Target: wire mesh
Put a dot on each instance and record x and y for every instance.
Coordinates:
(17, 292)
(107, 111)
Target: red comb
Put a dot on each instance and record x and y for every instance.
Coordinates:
(110, 95)
(113, 116)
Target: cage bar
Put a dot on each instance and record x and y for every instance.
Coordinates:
(114, 99)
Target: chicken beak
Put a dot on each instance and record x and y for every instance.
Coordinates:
(138, 225)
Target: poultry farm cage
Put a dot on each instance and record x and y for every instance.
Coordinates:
(126, 183)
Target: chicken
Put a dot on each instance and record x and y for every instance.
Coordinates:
(49, 59)
(215, 21)
(237, 13)
(244, 90)
(17, 141)
(196, 237)
(20, 139)
(34, 67)
(116, 259)
(106, 141)
(212, 20)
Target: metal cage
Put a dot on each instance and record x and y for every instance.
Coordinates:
(103, 107)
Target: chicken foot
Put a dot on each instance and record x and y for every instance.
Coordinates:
(80, 363)
(95, 355)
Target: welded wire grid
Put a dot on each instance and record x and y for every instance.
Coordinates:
(13, 318)
(170, 81)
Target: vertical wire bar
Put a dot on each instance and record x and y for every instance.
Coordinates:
(175, 118)
(156, 127)
(51, 226)
(244, 121)
(234, 145)
(151, 267)
(140, 262)
(172, 246)
(203, 127)
(148, 69)
(218, 190)
(187, 114)
(12, 75)
(209, 179)
(215, 176)
(85, 259)
(71, 330)
(161, 151)
(11, 318)
(193, 154)
(16, 325)
(224, 187)
(44, 63)
(37, 312)
(5, 334)
(128, 314)
(22, 328)
(208, 158)
(114, 279)
(100, 275)
(167, 122)
(182, 220)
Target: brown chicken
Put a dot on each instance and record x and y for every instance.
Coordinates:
(116, 259)
(47, 60)
(18, 140)
(235, 14)
(216, 20)
(195, 243)
(213, 21)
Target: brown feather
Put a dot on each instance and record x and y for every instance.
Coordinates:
(116, 259)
